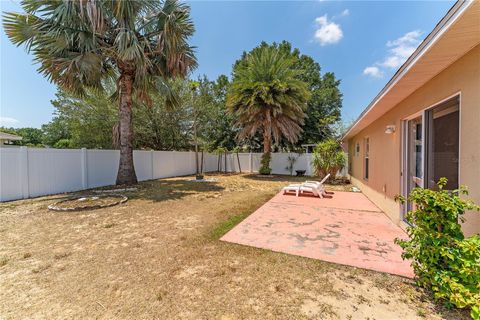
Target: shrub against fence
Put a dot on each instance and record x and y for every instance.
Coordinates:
(32, 172)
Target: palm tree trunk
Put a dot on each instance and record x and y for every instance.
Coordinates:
(267, 142)
(267, 139)
(126, 170)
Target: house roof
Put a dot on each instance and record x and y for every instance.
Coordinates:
(9, 136)
(456, 33)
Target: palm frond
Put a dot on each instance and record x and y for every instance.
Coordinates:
(80, 43)
(266, 92)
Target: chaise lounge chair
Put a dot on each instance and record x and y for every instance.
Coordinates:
(292, 188)
(312, 187)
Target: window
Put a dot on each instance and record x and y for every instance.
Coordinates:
(366, 159)
(357, 149)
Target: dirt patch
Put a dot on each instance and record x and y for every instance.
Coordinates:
(158, 257)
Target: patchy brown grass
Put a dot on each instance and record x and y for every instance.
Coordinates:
(158, 257)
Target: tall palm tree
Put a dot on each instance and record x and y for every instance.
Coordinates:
(267, 95)
(81, 43)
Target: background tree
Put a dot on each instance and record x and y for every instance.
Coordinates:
(163, 126)
(87, 121)
(58, 129)
(217, 125)
(78, 44)
(31, 137)
(267, 95)
(324, 106)
(323, 110)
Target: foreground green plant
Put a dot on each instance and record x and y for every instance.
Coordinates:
(442, 258)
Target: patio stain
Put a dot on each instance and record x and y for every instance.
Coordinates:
(346, 229)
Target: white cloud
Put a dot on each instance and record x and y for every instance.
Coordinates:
(373, 71)
(399, 51)
(7, 121)
(409, 38)
(345, 13)
(328, 32)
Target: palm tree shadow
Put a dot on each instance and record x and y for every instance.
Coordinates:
(173, 189)
(276, 178)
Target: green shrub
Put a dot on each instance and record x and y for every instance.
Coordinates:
(442, 258)
(328, 158)
(265, 164)
(63, 144)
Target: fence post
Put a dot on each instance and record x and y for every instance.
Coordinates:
(309, 165)
(24, 172)
(151, 164)
(83, 161)
(250, 160)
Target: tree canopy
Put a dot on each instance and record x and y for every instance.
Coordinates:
(267, 95)
(81, 45)
(324, 106)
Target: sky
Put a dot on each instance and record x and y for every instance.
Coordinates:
(363, 43)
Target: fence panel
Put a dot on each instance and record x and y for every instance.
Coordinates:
(11, 173)
(143, 162)
(53, 171)
(256, 161)
(102, 167)
(209, 162)
(163, 164)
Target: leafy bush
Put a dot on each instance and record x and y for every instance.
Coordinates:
(62, 144)
(443, 259)
(265, 164)
(328, 158)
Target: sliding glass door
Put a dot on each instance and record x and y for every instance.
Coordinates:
(443, 124)
(431, 148)
(414, 157)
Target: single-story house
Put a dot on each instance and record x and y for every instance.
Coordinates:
(7, 138)
(425, 123)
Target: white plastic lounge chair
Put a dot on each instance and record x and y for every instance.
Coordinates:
(321, 182)
(317, 185)
(292, 188)
(304, 188)
(311, 188)
(314, 187)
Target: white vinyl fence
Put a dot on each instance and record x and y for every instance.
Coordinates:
(250, 162)
(32, 172)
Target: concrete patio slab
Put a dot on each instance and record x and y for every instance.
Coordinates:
(347, 229)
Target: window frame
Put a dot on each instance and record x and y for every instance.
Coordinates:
(366, 158)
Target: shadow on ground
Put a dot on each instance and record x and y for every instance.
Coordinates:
(172, 189)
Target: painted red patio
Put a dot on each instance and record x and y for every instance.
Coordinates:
(346, 229)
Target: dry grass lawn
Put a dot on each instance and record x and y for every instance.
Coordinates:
(158, 257)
